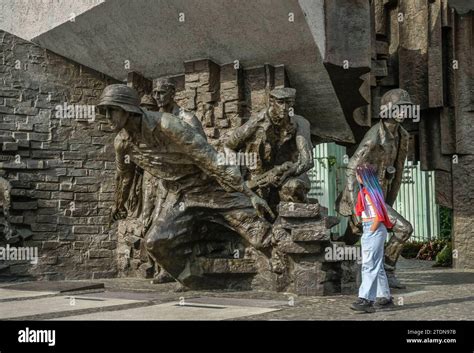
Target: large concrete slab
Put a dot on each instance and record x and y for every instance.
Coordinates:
(261, 303)
(148, 35)
(462, 6)
(58, 304)
(13, 294)
(132, 295)
(40, 16)
(175, 311)
(55, 286)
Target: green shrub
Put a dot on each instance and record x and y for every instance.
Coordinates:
(445, 256)
(430, 249)
(446, 223)
(411, 249)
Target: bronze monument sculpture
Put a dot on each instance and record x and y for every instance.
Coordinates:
(385, 146)
(164, 93)
(161, 99)
(207, 223)
(282, 143)
(171, 150)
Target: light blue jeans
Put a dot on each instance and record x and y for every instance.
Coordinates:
(374, 279)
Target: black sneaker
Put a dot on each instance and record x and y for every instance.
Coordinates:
(384, 303)
(359, 301)
(363, 305)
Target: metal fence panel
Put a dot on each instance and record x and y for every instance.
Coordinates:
(415, 201)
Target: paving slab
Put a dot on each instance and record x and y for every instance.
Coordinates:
(175, 311)
(13, 294)
(162, 297)
(430, 294)
(147, 296)
(56, 286)
(34, 308)
(259, 303)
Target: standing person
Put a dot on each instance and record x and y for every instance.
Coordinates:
(371, 207)
(384, 146)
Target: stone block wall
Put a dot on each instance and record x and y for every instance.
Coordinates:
(59, 162)
(427, 49)
(463, 220)
(225, 96)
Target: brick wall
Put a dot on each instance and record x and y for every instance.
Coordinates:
(60, 166)
(223, 97)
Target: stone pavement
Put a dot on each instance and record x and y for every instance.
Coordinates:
(431, 294)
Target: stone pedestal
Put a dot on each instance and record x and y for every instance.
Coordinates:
(304, 240)
(297, 262)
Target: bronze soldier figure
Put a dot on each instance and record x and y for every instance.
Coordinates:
(197, 187)
(148, 102)
(164, 91)
(282, 144)
(162, 99)
(153, 188)
(384, 146)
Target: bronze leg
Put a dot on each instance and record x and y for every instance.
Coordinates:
(402, 231)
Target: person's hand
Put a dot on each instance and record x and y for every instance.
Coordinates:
(287, 165)
(290, 171)
(285, 171)
(356, 220)
(261, 207)
(374, 226)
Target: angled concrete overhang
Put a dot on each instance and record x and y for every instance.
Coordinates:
(462, 6)
(343, 31)
(29, 18)
(118, 36)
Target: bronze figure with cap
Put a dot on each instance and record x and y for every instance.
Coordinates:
(385, 146)
(282, 144)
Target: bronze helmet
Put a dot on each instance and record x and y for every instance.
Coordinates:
(396, 96)
(122, 96)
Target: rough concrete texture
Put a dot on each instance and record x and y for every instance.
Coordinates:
(124, 35)
(462, 6)
(428, 52)
(34, 307)
(41, 15)
(464, 84)
(175, 311)
(9, 294)
(463, 214)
